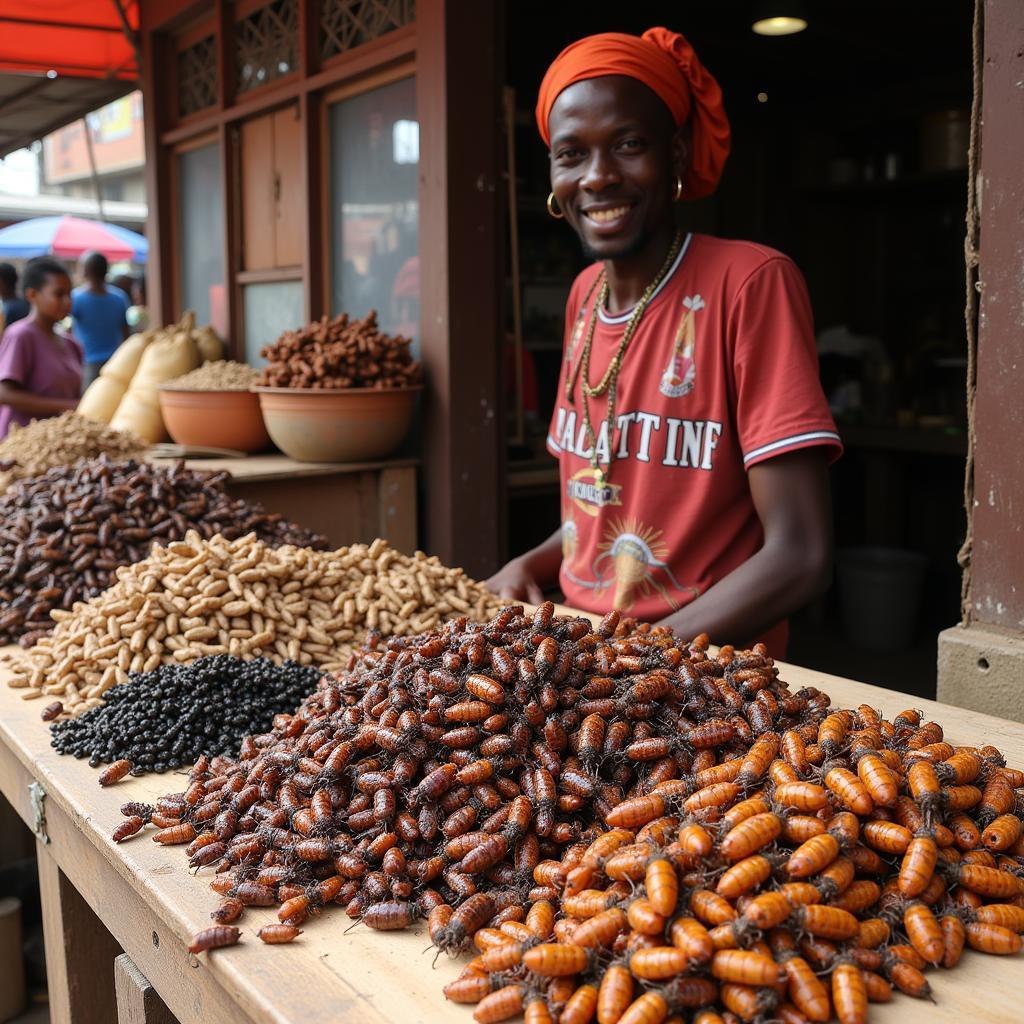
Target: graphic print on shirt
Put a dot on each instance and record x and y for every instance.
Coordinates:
(681, 373)
(569, 536)
(591, 492)
(632, 558)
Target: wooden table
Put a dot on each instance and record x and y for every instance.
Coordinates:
(349, 503)
(100, 899)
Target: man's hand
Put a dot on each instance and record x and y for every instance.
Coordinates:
(525, 577)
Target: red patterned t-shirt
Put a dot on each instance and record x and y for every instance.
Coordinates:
(721, 374)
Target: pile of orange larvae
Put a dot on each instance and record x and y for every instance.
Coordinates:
(799, 882)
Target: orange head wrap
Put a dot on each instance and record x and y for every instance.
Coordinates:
(666, 63)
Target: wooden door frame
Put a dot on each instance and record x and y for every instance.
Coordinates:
(458, 104)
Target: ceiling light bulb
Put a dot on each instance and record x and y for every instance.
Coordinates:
(782, 25)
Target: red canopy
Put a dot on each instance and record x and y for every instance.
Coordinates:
(84, 40)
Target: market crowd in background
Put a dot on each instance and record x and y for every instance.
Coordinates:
(55, 338)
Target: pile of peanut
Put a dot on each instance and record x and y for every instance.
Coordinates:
(60, 441)
(340, 353)
(220, 375)
(63, 534)
(196, 597)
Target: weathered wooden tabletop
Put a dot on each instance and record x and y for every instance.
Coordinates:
(152, 905)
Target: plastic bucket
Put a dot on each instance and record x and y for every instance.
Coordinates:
(880, 593)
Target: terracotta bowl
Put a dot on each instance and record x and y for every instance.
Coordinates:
(219, 419)
(356, 425)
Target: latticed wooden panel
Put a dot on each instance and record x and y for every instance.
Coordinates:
(347, 23)
(266, 44)
(197, 77)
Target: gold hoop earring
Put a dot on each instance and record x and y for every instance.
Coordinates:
(553, 211)
(678, 194)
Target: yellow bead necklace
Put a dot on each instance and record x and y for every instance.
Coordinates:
(609, 381)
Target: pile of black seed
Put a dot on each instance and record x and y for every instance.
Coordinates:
(167, 718)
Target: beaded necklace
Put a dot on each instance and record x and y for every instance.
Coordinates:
(609, 381)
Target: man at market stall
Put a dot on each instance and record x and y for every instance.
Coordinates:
(100, 314)
(691, 431)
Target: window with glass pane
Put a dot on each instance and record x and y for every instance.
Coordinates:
(266, 44)
(270, 309)
(375, 207)
(200, 236)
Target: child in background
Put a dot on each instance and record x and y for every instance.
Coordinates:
(100, 314)
(138, 314)
(135, 289)
(14, 307)
(40, 369)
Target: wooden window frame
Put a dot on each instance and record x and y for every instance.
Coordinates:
(376, 62)
(179, 42)
(335, 59)
(242, 9)
(378, 55)
(173, 228)
(194, 33)
(365, 84)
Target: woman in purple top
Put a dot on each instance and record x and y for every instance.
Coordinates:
(40, 369)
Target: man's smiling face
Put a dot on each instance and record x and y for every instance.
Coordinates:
(614, 158)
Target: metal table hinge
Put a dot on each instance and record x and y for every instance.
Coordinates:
(38, 797)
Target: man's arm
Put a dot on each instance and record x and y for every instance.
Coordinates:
(792, 499)
(525, 577)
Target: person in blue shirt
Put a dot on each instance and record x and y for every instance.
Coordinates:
(99, 313)
(14, 307)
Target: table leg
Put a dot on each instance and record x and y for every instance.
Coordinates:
(79, 950)
(137, 1000)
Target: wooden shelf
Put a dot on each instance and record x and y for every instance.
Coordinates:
(911, 440)
(930, 186)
